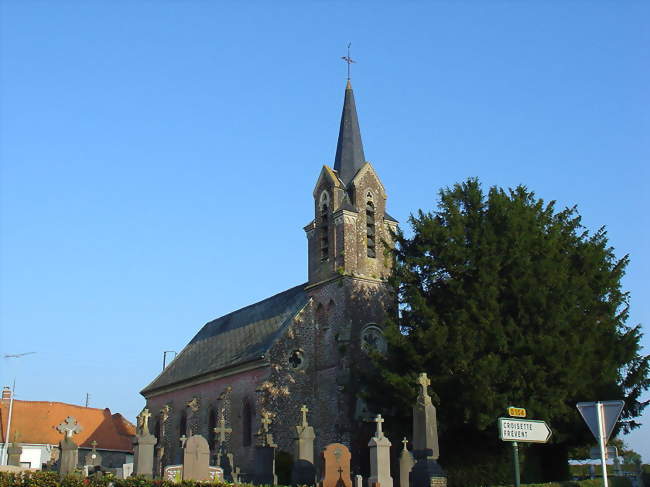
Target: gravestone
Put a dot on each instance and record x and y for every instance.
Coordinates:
(69, 450)
(143, 446)
(265, 454)
(336, 466)
(379, 457)
(303, 471)
(406, 463)
(92, 457)
(426, 472)
(13, 454)
(127, 470)
(358, 481)
(196, 459)
(225, 460)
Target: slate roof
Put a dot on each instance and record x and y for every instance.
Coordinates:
(234, 339)
(36, 422)
(349, 148)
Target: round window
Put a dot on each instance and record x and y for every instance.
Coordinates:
(297, 359)
(372, 338)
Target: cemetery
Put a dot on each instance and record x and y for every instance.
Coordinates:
(214, 464)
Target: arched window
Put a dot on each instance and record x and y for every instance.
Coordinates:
(212, 424)
(324, 225)
(247, 424)
(182, 429)
(370, 226)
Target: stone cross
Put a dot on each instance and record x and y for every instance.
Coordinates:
(378, 419)
(405, 442)
(304, 412)
(221, 430)
(183, 440)
(424, 382)
(143, 420)
(69, 427)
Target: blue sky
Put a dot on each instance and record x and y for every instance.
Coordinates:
(158, 157)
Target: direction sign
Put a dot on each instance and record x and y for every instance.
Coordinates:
(611, 452)
(526, 430)
(516, 412)
(611, 410)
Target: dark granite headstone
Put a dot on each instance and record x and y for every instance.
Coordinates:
(93, 458)
(265, 454)
(426, 472)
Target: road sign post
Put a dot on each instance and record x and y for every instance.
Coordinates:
(526, 430)
(601, 418)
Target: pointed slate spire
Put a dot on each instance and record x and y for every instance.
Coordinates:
(349, 150)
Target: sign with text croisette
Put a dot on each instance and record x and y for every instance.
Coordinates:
(524, 430)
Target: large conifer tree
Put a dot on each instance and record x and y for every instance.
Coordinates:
(505, 301)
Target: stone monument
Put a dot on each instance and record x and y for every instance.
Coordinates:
(379, 457)
(304, 472)
(426, 472)
(406, 463)
(196, 459)
(69, 450)
(13, 454)
(93, 458)
(336, 466)
(265, 454)
(143, 446)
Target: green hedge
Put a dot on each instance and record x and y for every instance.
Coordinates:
(52, 479)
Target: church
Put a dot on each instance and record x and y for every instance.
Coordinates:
(301, 346)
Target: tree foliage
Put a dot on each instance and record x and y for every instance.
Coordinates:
(505, 301)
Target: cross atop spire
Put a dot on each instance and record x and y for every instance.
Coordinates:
(348, 60)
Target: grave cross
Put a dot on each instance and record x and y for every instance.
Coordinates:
(221, 430)
(143, 419)
(424, 381)
(69, 427)
(183, 440)
(405, 442)
(378, 419)
(304, 412)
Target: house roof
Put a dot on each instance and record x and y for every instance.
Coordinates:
(36, 421)
(242, 336)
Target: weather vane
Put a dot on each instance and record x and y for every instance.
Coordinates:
(348, 60)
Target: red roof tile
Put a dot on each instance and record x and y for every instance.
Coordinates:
(36, 422)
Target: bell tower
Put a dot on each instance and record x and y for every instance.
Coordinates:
(351, 229)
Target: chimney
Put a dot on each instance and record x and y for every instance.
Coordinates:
(6, 393)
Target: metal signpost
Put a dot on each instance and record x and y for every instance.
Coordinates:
(526, 430)
(601, 418)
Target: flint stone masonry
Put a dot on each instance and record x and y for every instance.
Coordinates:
(309, 351)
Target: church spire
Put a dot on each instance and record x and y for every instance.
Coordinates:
(349, 150)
